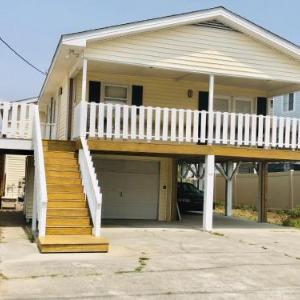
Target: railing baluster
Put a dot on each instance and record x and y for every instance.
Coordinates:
(180, 125)
(274, 131)
(165, 124)
(92, 118)
(196, 125)
(267, 132)
(13, 124)
(117, 133)
(294, 133)
(22, 122)
(157, 123)
(247, 129)
(232, 128)
(298, 139)
(287, 133)
(109, 121)
(218, 127)
(149, 123)
(253, 129)
(240, 127)
(133, 122)
(101, 114)
(225, 128)
(188, 126)
(173, 124)
(125, 122)
(281, 132)
(141, 122)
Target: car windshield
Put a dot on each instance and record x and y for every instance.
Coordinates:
(189, 188)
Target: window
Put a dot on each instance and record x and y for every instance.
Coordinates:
(243, 106)
(288, 102)
(115, 94)
(221, 104)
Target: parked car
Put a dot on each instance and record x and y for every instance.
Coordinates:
(189, 198)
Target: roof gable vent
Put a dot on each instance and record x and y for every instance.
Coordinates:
(215, 24)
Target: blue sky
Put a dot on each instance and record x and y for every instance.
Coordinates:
(33, 27)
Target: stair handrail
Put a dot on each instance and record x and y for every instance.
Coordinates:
(40, 188)
(90, 185)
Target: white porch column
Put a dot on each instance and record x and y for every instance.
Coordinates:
(208, 192)
(229, 189)
(210, 107)
(84, 79)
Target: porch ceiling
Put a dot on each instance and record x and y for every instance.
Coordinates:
(271, 87)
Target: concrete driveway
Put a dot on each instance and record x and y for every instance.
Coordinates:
(151, 260)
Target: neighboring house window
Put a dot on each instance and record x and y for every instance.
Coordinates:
(116, 94)
(288, 102)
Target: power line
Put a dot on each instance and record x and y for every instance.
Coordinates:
(20, 56)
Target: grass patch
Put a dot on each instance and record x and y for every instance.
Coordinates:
(292, 218)
(216, 233)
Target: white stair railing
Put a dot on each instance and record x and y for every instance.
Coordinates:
(90, 186)
(40, 189)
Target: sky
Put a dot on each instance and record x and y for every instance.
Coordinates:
(33, 28)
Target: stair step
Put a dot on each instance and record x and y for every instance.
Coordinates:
(62, 180)
(70, 212)
(63, 174)
(64, 188)
(58, 168)
(59, 146)
(67, 221)
(72, 243)
(65, 196)
(60, 154)
(67, 204)
(61, 161)
(55, 230)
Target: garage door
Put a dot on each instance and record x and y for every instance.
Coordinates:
(130, 188)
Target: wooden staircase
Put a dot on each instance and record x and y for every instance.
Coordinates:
(68, 224)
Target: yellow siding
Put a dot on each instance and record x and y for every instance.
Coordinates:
(199, 49)
(167, 92)
(62, 105)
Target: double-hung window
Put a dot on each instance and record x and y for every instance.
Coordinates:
(288, 102)
(116, 94)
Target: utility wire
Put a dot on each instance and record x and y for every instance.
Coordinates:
(20, 56)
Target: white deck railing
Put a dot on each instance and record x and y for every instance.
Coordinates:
(90, 186)
(16, 120)
(115, 121)
(40, 189)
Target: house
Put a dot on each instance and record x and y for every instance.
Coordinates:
(122, 105)
(286, 105)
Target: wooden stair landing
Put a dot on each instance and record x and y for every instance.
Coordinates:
(72, 243)
(68, 223)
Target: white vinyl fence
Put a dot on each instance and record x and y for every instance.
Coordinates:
(116, 121)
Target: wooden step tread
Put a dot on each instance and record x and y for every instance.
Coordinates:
(72, 240)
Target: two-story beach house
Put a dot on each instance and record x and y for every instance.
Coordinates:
(122, 105)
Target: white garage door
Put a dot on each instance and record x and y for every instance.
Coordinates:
(130, 188)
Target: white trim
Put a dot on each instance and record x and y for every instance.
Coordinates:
(15, 144)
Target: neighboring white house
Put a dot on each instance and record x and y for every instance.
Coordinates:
(287, 105)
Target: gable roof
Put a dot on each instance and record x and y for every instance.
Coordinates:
(219, 13)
